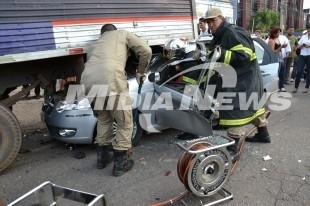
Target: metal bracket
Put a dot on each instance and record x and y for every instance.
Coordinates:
(16, 97)
(60, 192)
(216, 140)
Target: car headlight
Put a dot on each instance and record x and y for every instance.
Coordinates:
(62, 105)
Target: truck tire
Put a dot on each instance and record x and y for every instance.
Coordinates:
(10, 137)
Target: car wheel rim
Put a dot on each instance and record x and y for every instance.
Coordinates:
(134, 130)
(114, 128)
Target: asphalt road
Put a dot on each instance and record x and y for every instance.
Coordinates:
(282, 180)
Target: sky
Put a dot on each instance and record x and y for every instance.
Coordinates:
(306, 4)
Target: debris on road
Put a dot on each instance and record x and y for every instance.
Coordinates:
(168, 173)
(142, 161)
(267, 157)
(162, 158)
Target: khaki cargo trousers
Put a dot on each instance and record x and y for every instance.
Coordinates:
(116, 108)
(239, 132)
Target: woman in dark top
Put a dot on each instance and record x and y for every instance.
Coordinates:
(276, 46)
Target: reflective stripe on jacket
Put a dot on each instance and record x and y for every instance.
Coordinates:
(237, 50)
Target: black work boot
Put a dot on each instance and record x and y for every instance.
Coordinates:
(262, 136)
(233, 150)
(121, 162)
(104, 157)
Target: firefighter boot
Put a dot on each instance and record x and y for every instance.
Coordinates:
(233, 149)
(262, 135)
(121, 162)
(104, 157)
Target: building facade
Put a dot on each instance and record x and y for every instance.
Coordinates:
(228, 7)
(291, 12)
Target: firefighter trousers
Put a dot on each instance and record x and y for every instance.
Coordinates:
(239, 132)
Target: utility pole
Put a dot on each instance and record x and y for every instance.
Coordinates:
(283, 10)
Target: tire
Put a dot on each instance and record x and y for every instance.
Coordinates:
(136, 133)
(10, 137)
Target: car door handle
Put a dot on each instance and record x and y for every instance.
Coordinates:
(264, 73)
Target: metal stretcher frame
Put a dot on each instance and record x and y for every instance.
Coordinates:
(60, 192)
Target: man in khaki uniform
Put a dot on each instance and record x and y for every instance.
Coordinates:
(106, 66)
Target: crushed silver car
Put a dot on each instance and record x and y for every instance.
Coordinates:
(76, 123)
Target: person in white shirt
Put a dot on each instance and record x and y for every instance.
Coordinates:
(283, 40)
(258, 33)
(204, 31)
(303, 59)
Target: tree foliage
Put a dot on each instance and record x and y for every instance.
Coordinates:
(264, 19)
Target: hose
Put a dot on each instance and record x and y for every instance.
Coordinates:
(186, 159)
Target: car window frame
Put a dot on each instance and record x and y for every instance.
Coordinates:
(269, 56)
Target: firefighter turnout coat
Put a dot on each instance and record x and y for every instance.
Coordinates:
(238, 51)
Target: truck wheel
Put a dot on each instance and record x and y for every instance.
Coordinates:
(10, 137)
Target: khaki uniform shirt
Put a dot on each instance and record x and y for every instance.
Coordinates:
(107, 59)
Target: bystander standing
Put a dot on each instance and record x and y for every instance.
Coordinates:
(303, 60)
(292, 57)
(203, 29)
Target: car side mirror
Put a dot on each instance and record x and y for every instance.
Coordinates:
(154, 77)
